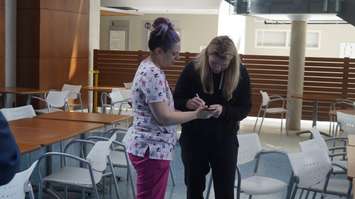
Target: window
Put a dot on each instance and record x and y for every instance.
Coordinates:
(312, 40)
(282, 39)
(271, 38)
(347, 50)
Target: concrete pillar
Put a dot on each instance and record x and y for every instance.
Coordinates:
(94, 41)
(10, 47)
(296, 73)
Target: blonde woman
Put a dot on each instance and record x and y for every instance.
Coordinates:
(216, 79)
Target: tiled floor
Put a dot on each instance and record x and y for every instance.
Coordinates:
(271, 139)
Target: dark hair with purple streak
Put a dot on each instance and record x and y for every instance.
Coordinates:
(163, 35)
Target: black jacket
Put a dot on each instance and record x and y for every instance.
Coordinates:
(234, 110)
(9, 153)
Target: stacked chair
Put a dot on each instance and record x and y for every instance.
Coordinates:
(334, 107)
(315, 171)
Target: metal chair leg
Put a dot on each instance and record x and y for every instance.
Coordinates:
(114, 177)
(172, 175)
(257, 117)
(262, 121)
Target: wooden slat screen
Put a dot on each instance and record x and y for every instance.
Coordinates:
(269, 73)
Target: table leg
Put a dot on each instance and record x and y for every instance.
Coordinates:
(28, 101)
(49, 148)
(353, 188)
(95, 101)
(314, 119)
(315, 114)
(4, 99)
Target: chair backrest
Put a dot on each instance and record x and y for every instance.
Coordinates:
(116, 95)
(249, 146)
(19, 185)
(17, 113)
(311, 167)
(346, 122)
(99, 153)
(319, 142)
(57, 98)
(73, 89)
(128, 85)
(265, 98)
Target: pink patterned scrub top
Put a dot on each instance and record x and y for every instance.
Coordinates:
(149, 86)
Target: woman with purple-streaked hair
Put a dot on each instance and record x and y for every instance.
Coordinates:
(150, 141)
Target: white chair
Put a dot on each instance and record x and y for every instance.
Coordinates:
(19, 185)
(265, 108)
(338, 104)
(85, 177)
(346, 124)
(250, 149)
(310, 168)
(318, 142)
(118, 98)
(74, 94)
(128, 85)
(119, 158)
(55, 101)
(17, 113)
(339, 166)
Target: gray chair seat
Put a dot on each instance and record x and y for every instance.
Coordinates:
(74, 176)
(257, 185)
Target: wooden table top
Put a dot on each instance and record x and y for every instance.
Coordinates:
(351, 140)
(23, 91)
(100, 88)
(46, 132)
(85, 117)
(27, 147)
(351, 161)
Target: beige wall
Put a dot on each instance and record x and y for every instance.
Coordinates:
(196, 30)
(330, 37)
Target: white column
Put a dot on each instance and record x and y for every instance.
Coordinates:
(94, 41)
(296, 73)
(10, 47)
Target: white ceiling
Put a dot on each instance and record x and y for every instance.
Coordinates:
(167, 6)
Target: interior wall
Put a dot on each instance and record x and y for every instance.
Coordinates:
(2, 43)
(196, 30)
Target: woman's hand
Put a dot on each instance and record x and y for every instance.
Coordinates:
(218, 110)
(203, 113)
(195, 103)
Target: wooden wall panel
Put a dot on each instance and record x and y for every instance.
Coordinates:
(2, 42)
(64, 34)
(76, 73)
(27, 45)
(64, 46)
(330, 76)
(53, 43)
(76, 6)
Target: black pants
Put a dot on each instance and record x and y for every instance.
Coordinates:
(204, 151)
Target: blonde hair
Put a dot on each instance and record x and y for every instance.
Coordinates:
(223, 47)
